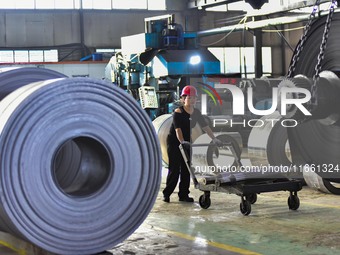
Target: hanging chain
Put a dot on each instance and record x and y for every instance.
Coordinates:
(301, 43)
(323, 45)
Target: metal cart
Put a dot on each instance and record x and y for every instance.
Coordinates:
(245, 185)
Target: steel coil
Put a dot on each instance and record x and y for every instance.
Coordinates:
(211, 159)
(314, 181)
(162, 126)
(316, 141)
(112, 180)
(268, 144)
(12, 78)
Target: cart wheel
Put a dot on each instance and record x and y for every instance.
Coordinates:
(252, 198)
(293, 202)
(204, 201)
(245, 207)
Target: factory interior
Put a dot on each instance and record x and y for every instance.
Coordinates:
(89, 92)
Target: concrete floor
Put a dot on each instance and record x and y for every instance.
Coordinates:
(271, 228)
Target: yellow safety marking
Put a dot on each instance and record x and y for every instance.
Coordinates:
(19, 251)
(322, 205)
(318, 205)
(214, 244)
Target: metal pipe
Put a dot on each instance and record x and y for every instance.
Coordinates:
(258, 53)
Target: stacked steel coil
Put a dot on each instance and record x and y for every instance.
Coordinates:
(318, 140)
(315, 143)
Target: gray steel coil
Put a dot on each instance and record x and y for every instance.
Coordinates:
(211, 159)
(268, 144)
(12, 78)
(318, 142)
(201, 156)
(105, 195)
(162, 126)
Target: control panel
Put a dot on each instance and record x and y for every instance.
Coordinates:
(148, 97)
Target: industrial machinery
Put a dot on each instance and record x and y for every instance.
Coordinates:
(166, 55)
(163, 57)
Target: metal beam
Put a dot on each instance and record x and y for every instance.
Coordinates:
(259, 24)
(209, 3)
(258, 52)
(281, 8)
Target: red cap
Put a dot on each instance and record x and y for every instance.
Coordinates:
(189, 91)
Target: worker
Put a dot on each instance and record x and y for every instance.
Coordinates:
(184, 118)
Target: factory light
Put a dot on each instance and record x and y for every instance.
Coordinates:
(194, 60)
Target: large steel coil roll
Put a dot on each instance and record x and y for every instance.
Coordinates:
(162, 126)
(315, 181)
(268, 142)
(316, 141)
(112, 180)
(211, 159)
(12, 78)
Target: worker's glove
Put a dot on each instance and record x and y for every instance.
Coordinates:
(186, 145)
(217, 142)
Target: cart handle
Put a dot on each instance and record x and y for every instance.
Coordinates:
(209, 144)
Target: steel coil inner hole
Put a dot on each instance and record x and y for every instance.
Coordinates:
(287, 152)
(81, 166)
(335, 185)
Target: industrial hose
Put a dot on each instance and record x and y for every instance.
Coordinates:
(110, 150)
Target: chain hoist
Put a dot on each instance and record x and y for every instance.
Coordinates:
(323, 45)
(301, 43)
(313, 102)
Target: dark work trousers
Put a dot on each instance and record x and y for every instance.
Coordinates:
(177, 168)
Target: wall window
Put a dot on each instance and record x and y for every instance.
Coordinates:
(28, 56)
(156, 4)
(242, 60)
(97, 4)
(232, 60)
(6, 56)
(24, 4)
(21, 56)
(66, 4)
(87, 4)
(219, 53)
(50, 55)
(129, 4)
(35, 56)
(44, 4)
